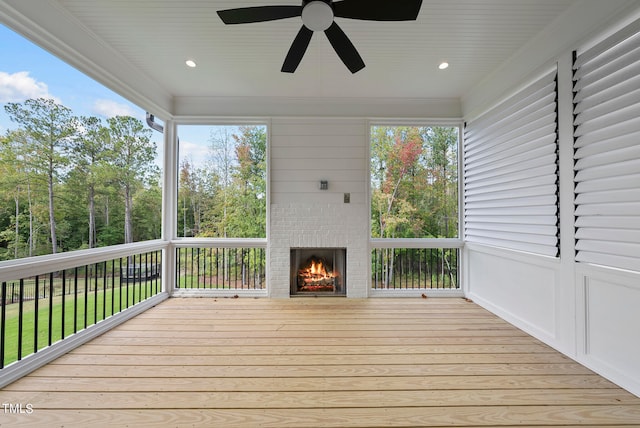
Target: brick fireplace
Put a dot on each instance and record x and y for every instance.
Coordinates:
(319, 229)
(318, 197)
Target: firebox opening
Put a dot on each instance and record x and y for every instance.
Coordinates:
(318, 271)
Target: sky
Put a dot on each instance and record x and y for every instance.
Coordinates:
(28, 71)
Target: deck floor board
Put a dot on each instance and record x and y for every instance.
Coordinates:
(317, 363)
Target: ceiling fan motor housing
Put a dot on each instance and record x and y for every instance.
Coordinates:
(317, 15)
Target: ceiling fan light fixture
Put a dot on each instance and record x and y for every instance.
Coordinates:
(191, 63)
(443, 65)
(317, 15)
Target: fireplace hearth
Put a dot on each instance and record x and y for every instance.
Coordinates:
(318, 271)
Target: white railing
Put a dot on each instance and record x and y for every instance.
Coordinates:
(51, 304)
(220, 267)
(402, 266)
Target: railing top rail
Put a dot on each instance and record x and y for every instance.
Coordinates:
(220, 243)
(20, 268)
(416, 243)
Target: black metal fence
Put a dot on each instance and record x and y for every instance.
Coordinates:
(221, 268)
(415, 268)
(40, 310)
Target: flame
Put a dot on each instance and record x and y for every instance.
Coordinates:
(316, 269)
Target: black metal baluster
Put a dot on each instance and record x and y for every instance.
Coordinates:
(438, 269)
(210, 271)
(120, 284)
(126, 277)
(235, 268)
(227, 261)
(410, 277)
(86, 295)
(457, 268)
(146, 275)
(254, 268)
(51, 292)
(132, 279)
(139, 276)
(159, 271)
(75, 300)
(430, 268)
(104, 290)
(133, 290)
(113, 286)
(63, 309)
(395, 267)
(95, 293)
(156, 272)
(20, 318)
(374, 271)
(225, 268)
(191, 269)
(3, 323)
(217, 268)
(178, 268)
(36, 313)
(197, 261)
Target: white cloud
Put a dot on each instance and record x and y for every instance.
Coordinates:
(18, 87)
(110, 108)
(197, 154)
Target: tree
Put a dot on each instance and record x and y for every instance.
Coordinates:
(48, 128)
(414, 187)
(11, 190)
(249, 183)
(223, 160)
(90, 151)
(131, 160)
(400, 149)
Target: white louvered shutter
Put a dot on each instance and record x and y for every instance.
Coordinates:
(607, 151)
(511, 172)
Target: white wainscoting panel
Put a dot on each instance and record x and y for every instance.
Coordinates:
(520, 288)
(609, 334)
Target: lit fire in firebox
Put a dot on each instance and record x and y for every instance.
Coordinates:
(316, 275)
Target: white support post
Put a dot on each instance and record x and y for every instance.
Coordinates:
(169, 198)
(565, 307)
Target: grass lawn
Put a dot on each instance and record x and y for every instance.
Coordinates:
(61, 316)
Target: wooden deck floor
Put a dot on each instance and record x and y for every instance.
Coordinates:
(309, 362)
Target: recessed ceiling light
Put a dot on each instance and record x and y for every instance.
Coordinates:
(190, 63)
(443, 66)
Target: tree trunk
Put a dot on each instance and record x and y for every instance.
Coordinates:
(31, 231)
(52, 219)
(106, 212)
(128, 221)
(92, 217)
(17, 230)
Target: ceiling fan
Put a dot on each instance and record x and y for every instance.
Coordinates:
(318, 15)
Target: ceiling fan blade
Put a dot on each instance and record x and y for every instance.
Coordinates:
(344, 48)
(246, 15)
(297, 50)
(378, 10)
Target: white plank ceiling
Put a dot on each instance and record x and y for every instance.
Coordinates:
(157, 36)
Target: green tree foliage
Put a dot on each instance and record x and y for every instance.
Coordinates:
(414, 194)
(131, 160)
(47, 130)
(414, 182)
(226, 198)
(70, 182)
